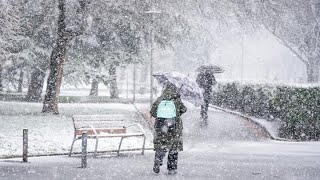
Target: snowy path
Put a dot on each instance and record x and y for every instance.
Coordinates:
(222, 127)
(267, 160)
(229, 148)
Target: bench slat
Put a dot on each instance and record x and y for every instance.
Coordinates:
(119, 135)
(98, 117)
(105, 122)
(97, 125)
(99, 131)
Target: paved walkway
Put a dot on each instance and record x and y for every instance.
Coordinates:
(267, 160)
(229, 148)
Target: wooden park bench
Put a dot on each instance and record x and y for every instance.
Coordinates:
(105, 126)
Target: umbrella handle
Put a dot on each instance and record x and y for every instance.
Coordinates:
(182, 84)
(180, 88)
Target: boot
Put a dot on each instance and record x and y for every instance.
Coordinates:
(156, 166)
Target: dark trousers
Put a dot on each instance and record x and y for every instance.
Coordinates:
(204, 111)
(172, 162)
(204, 107)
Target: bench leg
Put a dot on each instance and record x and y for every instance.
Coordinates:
(74, 139)
(143, 145)
(96, 148)
(119, 146)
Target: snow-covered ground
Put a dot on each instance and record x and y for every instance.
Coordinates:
(228, 148)
(271, 127)
(124, 93)
(53, 134)
(228, 161)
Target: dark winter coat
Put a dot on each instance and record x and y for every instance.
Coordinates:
(173, 139)
(206, 80)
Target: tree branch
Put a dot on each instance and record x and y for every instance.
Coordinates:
(282, 41)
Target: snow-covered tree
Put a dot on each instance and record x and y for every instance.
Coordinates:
(296, 23)
(37, 28)
(84, 63)
(9, 23)
(28, 51)
(120, 32)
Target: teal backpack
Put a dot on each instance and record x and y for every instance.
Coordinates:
(166, 109)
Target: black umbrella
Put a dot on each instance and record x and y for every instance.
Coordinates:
(210, 68)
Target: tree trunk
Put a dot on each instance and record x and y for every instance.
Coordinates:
(313, 71)
(50, 104)
(94, 87)
(20, 82)
(35, 86)
(114, 92)
(1, 87)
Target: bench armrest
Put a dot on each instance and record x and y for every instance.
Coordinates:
(94, 130)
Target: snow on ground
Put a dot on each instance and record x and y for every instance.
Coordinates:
(271, 126)
(102, 92)
(234, 161)
(229, 148)
(54, 134)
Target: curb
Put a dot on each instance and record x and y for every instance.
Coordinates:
(251, 121)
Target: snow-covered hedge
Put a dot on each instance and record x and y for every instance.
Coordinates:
(297, 107)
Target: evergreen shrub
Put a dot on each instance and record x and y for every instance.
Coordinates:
(297, 108)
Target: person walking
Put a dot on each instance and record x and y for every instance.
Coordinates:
(205, 80)
(167, 111)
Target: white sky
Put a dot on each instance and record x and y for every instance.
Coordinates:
(264, 58)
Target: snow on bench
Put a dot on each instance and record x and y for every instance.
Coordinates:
(104, 126)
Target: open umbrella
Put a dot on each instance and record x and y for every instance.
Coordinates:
(210, 68)
(189, 89)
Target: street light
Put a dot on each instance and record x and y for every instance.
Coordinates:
(242, 55)
(151, 12)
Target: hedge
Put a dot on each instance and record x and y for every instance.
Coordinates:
(297, 108)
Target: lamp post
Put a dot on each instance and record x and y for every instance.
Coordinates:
(151, 12)
(242, 55)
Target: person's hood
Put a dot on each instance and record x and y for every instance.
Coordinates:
(170, 92)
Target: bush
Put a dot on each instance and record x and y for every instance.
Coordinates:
(298, 108)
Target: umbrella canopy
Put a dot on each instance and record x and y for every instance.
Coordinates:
(210, 68)
(189, 89)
